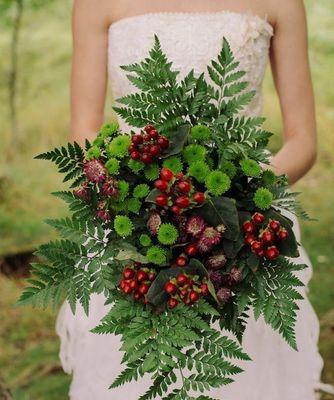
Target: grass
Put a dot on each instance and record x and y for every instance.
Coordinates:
(29, 363)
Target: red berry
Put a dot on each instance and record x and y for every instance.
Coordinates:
(257, 246)
(143, 288)
(142, 276)
(153, 133)
(272, 253)
(137, 139)
(204, 289)
(146, 149)
(182, 202)
(170, 288)
(155, 150)
(163, 142)
(249, 239)
(258, 218)
(151, 276)
(199, 197)
(161, 185)
(147, 158)
(135, 155)
(283, 234)
(248, 227)
(161, 200)
(133, 284)
(194, 296)
(148, 128)
(127, 288)
(172, 303)
(128, 273)
(184, 187)
(268, 237)
(183, 293)
(137, 295)
(166, 174)
(182, 279)
(122, 284)
(180, 175)
(260, 253)
(176, 210)
(191, 250)
(132, 148)
(181, 261)
(146, 138)
(138, 264)
(274, 225)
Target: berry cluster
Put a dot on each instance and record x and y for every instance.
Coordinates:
(177, 192)
(147, 145)
(137, 281)
(185, 288)
(262, 238)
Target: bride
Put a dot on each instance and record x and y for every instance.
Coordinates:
(108, 34)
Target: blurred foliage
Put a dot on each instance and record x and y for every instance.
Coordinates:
(28, 347)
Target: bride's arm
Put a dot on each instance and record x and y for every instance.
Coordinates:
(290, 66)
(89, 68)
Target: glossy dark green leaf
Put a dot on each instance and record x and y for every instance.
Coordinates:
(177, 140)
(222, 210)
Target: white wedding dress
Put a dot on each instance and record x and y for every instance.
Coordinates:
(277, 372)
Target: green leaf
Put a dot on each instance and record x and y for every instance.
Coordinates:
(222, 210)
(177, 140)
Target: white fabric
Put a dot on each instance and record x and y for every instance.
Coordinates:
(276, 372)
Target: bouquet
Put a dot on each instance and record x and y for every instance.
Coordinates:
(180, 224)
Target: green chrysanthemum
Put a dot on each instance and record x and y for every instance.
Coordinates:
(174, 164)
(99, 142)
(112, 166)
(141, 191)
(268, 177)
(108, 130)
(152, 172)
(145, 240)
(134, 205)
(194, 153)
(118, 147)
(156, 255)
(200, 133)
(228, 168)
(250, 167)
(135, 166)
(123, 190)
(93, 152)
(123, 225)
(119, 206)
(217, 183)
(167, 234)
(199, 170)
(263, 198)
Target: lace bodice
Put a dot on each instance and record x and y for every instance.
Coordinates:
(190, 41)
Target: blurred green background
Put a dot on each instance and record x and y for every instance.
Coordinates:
(29, 364)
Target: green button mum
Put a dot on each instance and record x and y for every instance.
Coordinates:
(123, 225)
(200, 133)
(250, 168)
(145, 240)
(118, 147)
(93, 152)
(174, 164)
(112, 166)
(156, 255)
(199, 170)
(167, 234)
(263, 198)
(193, 153)
(141, 191)
(217, 183)
(108, 130)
